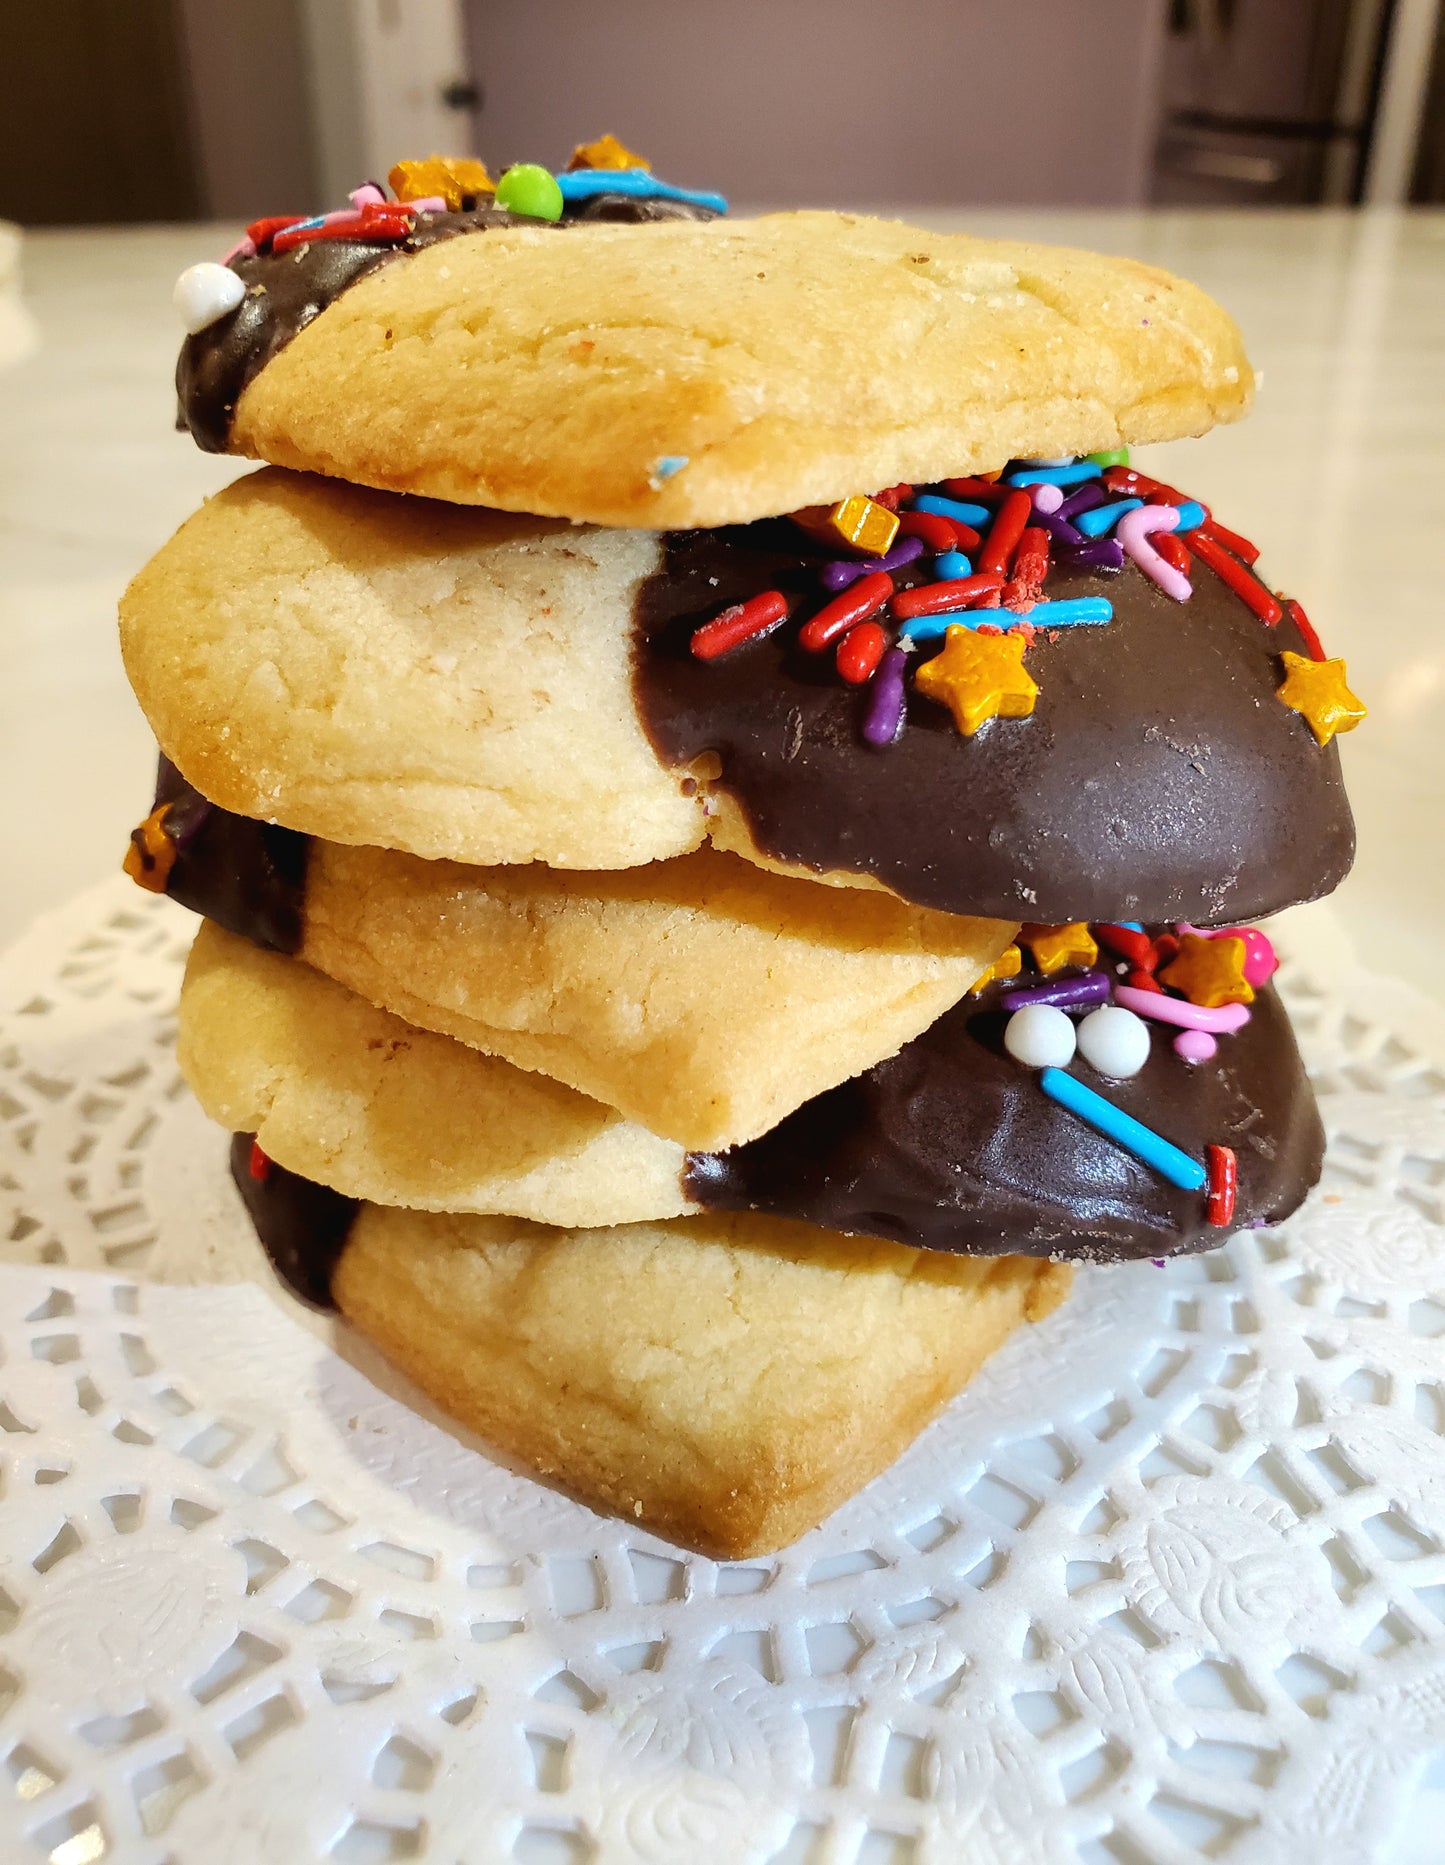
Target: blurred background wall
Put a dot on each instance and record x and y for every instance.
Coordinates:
(144, 110)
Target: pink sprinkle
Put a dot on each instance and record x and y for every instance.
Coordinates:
(243, 249)
(1195, 1045)
(1133, 531)
(1224, 1020)
(1046, 498)
(367, 192)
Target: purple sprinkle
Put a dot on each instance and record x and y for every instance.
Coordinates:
(1103, 553)
(883, 720)
(1092, 987)
(1084, 500)
(844, 571)
(1157, 1261)
(1058, 528)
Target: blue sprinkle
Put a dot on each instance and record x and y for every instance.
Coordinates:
(669, 466)
(1191, 516)
(305, 226)
(1130, 925)
(949, 565)
(582, 183)
(1103, 517)
(952, 508)
(934, 627)
(1055, 475)
(1070, 612)
(1124, 1130)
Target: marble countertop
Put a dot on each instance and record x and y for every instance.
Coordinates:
(1336, 475)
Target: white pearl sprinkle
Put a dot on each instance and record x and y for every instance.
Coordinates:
(205, 293)
(1114, 1041)
(1040, 1036)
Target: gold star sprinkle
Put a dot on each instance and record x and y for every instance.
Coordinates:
(979, 677)
(1008, 964)
(1054, 947)
(1316, 690)
(456, 178)
(1210, 972)
(606, 152)
(859, 524)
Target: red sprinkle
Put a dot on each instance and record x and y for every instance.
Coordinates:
(745, 621)
(1146, 981)
(1136, 485)
(978, 487)
(893, 496)
(1243, 582)
(382, 227)
(1223, 1169)
(1171, 548)
(1137, 947)
(865, 598)
(964, 592)
(1005, 531)
(937, 532)
(262, 230)
(1306, 627)
(860, 651)
(1030, 570)
(1231, 540)
(258, 1165)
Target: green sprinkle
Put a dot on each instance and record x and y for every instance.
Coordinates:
(531, 190)
(1112, 456)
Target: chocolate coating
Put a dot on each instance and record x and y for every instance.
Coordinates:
(952, 1145)
(1158, 777)
(249, 877)
(302, 1226)
(285, 291)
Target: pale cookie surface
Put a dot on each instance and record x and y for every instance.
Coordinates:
(352, 1097)
(401, 672)
(726, 1382)
(703, 997)
(788, 361)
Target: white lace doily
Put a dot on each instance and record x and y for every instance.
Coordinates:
(1166, 1584)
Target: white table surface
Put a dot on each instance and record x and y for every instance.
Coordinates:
(1337, 475)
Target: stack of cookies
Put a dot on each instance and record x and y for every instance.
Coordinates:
(723, 807)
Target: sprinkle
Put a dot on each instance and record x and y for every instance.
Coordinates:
(206, 293)
(1222, 1022)
(243, 249)
(1054, 947)
(1242, 581)
(1008, 964)
(1030, 568)
(368, 194)
(1071, 612)
(958, 509)
(1260, 960)
(1084, 500)
(860, 651)
(1103, 518)
(845, 571)
(866, 598)
(1231, 540)
(1106, 554)
(951, 566)
(267, 228)
(1132, 1135)
(1040, 1036)
(1124, 479)
(668, 467)
(457, 179)
(944, 598)
(1090, 987)
(1069, 475)
(1134, 530)
(979, 677)
(932, 530)
(581, 184)
(744, 621)
(1004, 534)
(529, 189)
(259, 1165)
(1046, 497)
(151, 853)
(1129, 940)
(1209, 972)
(606, 152)
(1316, 690)
(1111, 456)
(883, 720)
(1223, 1183)
(1114, 1041)
(1130, 925)
(893, 496)
(1307, 634)
(859, 524)
(1191, 513)
(1059, 529)
(1172, 549)
(980, 486)
(1196, 1046)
